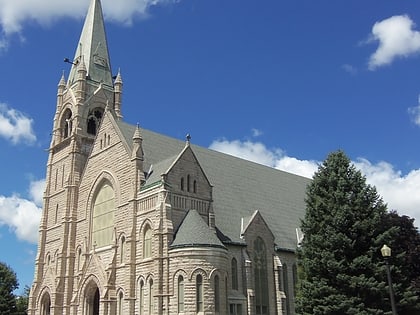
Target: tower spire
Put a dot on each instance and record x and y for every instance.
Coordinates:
(93, 48)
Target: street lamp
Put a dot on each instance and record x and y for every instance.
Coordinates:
(386, 253)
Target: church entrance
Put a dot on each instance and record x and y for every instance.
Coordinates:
(46, 304)
(92, 301)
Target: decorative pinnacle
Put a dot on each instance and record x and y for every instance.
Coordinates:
(188, 138)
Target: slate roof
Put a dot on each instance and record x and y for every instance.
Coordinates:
(93, 47)
(239, 187)
(193, 232)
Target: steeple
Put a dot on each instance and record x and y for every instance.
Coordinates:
(93, 48)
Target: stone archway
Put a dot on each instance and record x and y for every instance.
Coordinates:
(46, 304)
(91, 300)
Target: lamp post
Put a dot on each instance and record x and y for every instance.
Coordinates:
(386, 254)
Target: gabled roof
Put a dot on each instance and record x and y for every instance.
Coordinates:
(93, 48)
(194, 232)
(239, 187)
(246, 222)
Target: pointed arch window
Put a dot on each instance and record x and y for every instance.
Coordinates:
(199, 293)
(147, 242)
(234, 270)
(79, 259)
(94, 120)
(286, 286)
(103, 216)
(180, 294)
(122, 249)
(120, 303)
(67, 124)
(217, 294)
(260, 276)
(141, 298)
(151, 309)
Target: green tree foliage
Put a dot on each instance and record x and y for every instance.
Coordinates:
(8, 283)
(405, 261)
(22, 302)
(341, 268)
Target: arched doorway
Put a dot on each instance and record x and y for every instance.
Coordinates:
(92, 299)
(46, 304)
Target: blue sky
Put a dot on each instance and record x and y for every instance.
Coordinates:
(282, 83)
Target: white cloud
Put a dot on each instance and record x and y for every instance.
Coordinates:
(256, 132)
(22, 216)
(257, 152)
(399, 191)
(349, 69)
(14, 14)
(396, 38)
(414, 112)
(15, 126)
(248, 150)
(36, 191)
(303, 168)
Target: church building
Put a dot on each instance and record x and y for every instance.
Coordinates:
(135, 222)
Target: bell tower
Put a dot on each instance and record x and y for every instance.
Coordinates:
(82, 99)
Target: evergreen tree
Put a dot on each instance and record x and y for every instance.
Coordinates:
(341, 268)
(405, 261)
(8, 283)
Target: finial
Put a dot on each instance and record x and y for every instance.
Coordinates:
(137, 133)
(117, 78)
(188, 137)
(62, 80)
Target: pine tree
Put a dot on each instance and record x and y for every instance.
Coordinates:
(8, 283)
(405, 261)
(341, 268)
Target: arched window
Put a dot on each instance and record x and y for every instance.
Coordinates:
(261, 281)
(147, 242)
(56, 214)
(216, 294)
(182, 183)
(46, 305)
(122, 249)
(195, 186)
(79, 259)
(188, 183)
(151, 309)
(56, 261)
(180, 294)
(199, 293)
(67, 124)
(103, 217)
(120, 303)
(141, 298)
(286, 286)
(93, 120)
(234, 270)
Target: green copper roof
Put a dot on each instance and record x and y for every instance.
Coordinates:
(93, 48)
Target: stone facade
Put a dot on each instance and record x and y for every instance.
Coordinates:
(130, 226)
